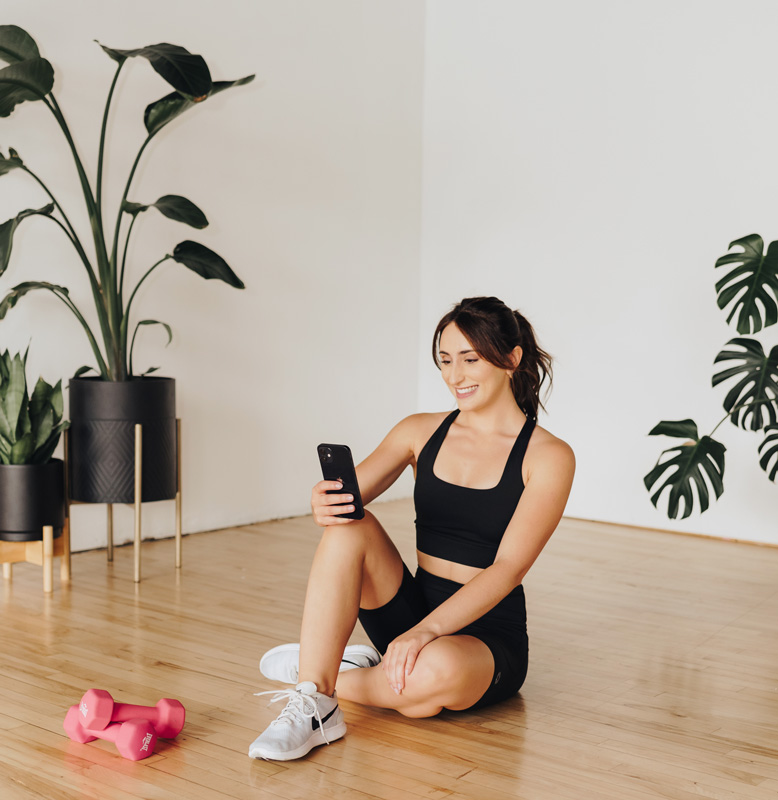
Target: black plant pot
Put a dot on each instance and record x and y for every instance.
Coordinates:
(103, 415)
(31, 496)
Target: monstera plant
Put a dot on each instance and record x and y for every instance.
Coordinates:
(29, 77)
(750, 290)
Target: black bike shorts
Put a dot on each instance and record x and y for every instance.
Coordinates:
(503, 629)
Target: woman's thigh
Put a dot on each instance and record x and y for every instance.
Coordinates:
(382, 566)
(460, 666)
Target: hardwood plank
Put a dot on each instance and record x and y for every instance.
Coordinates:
(652, 675)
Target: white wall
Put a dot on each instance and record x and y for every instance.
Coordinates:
(588, 162)
(311, 177)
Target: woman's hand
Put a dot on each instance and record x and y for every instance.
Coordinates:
(326, 506)
(401, 655)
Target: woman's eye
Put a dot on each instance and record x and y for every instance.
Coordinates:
(471, 360)
(446, 363)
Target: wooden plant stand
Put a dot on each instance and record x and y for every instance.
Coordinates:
(137, 505)
(40, 552)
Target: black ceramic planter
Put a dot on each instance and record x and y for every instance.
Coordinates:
(103, 415)
(31, 496)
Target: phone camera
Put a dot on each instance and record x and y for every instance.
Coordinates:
(325, 454)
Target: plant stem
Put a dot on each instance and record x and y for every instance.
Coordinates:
(737, 408)
(102, 146)
(126, 318)
(105, 311)
(115, 248)
(124, 259)
(92, 341)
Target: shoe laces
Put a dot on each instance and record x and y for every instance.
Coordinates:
(299, 707)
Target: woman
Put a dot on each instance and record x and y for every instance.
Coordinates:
(490, 489)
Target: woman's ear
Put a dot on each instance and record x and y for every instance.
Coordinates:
(516, 355)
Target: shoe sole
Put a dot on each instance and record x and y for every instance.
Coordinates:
(353, 649)
(333, 734)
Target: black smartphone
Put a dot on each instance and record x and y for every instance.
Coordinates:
(338, 465)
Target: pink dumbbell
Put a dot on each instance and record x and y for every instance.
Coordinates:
(134, 739)
(97, 709)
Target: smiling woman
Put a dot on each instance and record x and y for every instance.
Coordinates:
(491, 487)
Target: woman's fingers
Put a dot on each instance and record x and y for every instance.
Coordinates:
(326, 506)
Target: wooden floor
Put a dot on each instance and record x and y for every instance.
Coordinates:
(653, 674)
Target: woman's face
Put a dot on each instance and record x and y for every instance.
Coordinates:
(474, 382)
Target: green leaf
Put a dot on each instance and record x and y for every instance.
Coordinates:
(12, 162)
(206, 263)
(22, 450)
(167, 108)
(46, 450)
(8, 228)
(15, 398)
(25, 80)
(687, 467)
(683, 429)
(40, 399)
(769, 450)
(16, 45)
(753, 283)
(13, 297)
(174, 207)
(755, 395)
(184, 71)
(148, 371)
(81, 370)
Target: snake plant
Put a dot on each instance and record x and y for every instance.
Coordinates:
(29, 77)
(30, 426)
(750, 290)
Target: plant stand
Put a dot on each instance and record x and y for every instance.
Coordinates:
(40, 552)
(137, 505)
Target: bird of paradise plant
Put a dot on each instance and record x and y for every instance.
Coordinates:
(29, 77)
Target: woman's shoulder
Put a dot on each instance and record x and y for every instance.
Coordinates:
(417, 428)
(547, 450)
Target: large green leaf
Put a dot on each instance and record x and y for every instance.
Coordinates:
(205, 263)
(25, 80)
(681, 429)
(184, 71)
(687, 466)
(753, 282)
(174, 207)
(12, 162)
(22, 449)
(43, 453)
(16, 45)
(769, 452)
(167, 108)
(15, 399)
(13, 297)
(755, 396)
(8, 228)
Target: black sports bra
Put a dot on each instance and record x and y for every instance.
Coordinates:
(458, 523)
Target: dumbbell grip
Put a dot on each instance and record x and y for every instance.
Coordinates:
(126, 711)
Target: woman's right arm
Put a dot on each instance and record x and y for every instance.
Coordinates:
(376, 473)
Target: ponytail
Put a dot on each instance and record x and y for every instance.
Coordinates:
(494, 331)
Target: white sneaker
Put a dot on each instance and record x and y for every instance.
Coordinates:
(282, 662)
(309, 719)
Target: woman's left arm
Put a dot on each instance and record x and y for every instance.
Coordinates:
(535, 519)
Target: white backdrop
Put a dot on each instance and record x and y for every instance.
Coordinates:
(311, 178)
(588, 162)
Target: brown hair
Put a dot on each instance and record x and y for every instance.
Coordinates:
(494, 330)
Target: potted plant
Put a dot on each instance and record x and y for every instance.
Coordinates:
(105, 409)
(32, 483)
(750, 289)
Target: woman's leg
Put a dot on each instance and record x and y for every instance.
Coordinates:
(451, 672)
(355, 565)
